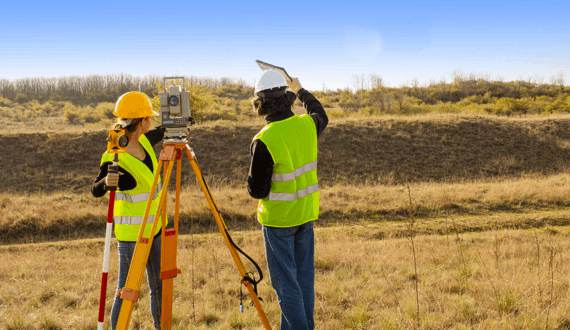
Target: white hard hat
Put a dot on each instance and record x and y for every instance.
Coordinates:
(269, 79)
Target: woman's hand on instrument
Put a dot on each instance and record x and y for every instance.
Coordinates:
(112, 180)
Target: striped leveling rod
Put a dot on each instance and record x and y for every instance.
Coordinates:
(106, 253)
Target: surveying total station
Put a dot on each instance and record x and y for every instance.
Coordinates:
(176, 118)
(175, 113)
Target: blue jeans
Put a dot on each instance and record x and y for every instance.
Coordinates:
(126, 250)
(290, 258)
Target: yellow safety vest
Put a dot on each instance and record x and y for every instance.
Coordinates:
(294, 195)
(130, 204)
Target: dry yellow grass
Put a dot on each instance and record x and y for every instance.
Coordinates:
(58, 124)
(372, 151)
(490, 252)
(507, 279)
(33, 217)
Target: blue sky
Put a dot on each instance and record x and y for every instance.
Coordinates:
(325, 43)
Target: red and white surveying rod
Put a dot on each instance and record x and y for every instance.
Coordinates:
(107, 249)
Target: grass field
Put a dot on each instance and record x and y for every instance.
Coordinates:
(489, 220)
(503, 279)
(490, 255)
(40, 216)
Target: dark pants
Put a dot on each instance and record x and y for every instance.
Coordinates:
(126, 250)
(290, 258)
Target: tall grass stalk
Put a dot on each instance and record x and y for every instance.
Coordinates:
(411, 237)
(551, 257)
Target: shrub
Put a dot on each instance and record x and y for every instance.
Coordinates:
(71, 115)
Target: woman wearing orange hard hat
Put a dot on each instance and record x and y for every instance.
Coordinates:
(137, 168)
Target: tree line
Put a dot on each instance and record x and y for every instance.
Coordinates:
(94, 88)
(369, 95)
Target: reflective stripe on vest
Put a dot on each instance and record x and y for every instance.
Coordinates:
(120, 196)
(297, 172)
(131, 219)
(294, 196)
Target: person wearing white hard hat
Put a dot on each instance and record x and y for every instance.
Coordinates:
(283, 176)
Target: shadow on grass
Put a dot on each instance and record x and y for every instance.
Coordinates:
(90, 226)
(376, 151)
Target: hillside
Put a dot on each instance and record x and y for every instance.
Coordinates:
(385, 151)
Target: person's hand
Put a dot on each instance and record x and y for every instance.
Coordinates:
(112, 180)
(295, 85)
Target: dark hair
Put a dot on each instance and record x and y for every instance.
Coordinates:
(276, 101)
(132, 126)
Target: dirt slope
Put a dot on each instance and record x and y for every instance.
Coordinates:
(383, 151)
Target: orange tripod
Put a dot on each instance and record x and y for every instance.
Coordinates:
(172, 152)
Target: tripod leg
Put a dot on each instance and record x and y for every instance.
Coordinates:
(223, 230)
(130, 293)
(168, 268)
(163, 252)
